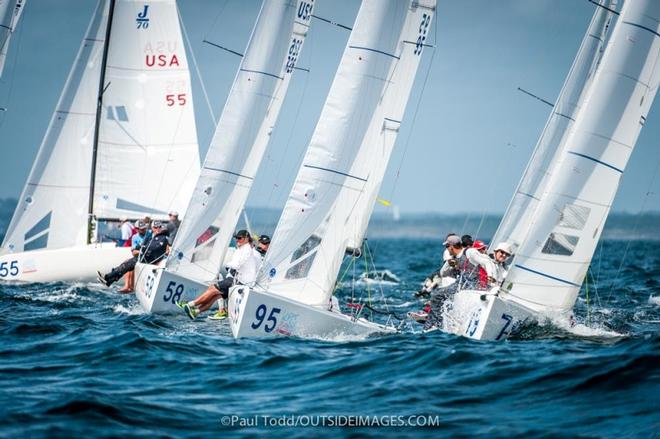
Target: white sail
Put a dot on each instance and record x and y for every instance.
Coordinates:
(336, 185)
(10, 13)
(148, 157)
(52, 210)
(554, 257)
(516, 220)
(240, 139)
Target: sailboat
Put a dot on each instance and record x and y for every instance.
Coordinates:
(121, 143)
(231, 163)
(329, 206)
(10, 13)
(556, 243)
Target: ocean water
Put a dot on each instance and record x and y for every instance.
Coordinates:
(83, 360)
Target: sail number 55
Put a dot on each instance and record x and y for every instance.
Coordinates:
(9, 269)
(260, 315)
(175, 99)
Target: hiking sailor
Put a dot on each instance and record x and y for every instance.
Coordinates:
(434, 280)
(153, 249)
(241, 269)
(262, 245)
(471, 267)
(173, 225)
(127, 232)
(136, 245)
(500, 256)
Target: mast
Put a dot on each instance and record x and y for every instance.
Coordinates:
(99, 111)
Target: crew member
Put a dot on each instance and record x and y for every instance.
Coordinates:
(153, 250)
(173, 225)
(241, 269)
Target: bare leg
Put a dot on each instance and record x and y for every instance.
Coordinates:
(131, 280)
(128, 285)
(207, 298)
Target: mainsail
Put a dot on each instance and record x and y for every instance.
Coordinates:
(240, 139)
(10, 13)
(516, 220)
(148, 158)
(334, 192)
(135, 173)
(553, 258)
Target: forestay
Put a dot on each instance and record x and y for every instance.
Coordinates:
(336, 186)
(554, 257)
(516, 220)
(148, 157)
(10, 13)
(240, 139)
(52, 210)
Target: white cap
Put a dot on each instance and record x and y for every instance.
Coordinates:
(174, 213)
(505, 247)
(123, 218)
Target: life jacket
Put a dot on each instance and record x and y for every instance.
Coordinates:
(472, 276)
(129, 241)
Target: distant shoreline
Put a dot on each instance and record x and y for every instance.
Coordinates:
(431, 225)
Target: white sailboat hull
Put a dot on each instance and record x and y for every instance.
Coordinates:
(158, 290)
(254, 313)
(62, 265)
(482, 315)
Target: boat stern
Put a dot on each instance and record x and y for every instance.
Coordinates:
(159, 290)
(256, 313)
(483, 315)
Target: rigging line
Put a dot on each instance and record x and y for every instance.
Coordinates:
(604, 7)
(412, 124)
(637, 218)
(595, 286)
(600, 263)
(13, 67)
(536, 97)
(291, 134)
(332, 22)
(369, 253)
(233, 52)
(199, 74)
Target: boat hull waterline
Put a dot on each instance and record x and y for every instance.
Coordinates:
(71, 264)
(159, 290)
(255, 313)
(484, 315)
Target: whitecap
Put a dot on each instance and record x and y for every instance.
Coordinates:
(132, 310)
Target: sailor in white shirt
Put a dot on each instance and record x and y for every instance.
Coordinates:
(241, 269)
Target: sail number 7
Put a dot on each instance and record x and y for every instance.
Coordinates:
(260, 315)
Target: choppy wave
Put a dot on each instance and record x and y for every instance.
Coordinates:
(82, 360)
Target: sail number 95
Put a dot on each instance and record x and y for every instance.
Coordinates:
(260, 315)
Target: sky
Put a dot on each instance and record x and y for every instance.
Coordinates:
(467, 133)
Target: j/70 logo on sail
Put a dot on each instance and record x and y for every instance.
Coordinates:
(142, 20)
